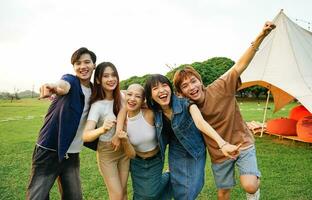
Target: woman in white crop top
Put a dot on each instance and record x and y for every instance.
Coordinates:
(140, 144)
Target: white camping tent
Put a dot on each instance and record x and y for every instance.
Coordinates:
(283, 64)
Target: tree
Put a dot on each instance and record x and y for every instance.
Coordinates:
(134, 79)
(257, 91)
(209, 70)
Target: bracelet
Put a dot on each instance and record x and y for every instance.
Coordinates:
(253, 46)
(223, 145)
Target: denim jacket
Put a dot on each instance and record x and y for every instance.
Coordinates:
(183, 127)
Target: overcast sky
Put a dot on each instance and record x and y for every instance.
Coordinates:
(37, 38)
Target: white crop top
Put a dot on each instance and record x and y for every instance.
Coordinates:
(141, 134)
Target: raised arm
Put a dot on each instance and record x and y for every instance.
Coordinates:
(246, 58)
(121, 118)
(129, 149)
(227, 149)
(61, 87)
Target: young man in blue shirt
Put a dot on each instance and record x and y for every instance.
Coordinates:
(56, 154)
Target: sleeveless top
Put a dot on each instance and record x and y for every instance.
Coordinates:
(141, 134)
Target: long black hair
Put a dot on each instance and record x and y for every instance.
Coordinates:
(151, 82)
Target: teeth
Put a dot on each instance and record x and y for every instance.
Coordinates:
(111, 84)
(194, 92)
(131, 104)
(84, 72)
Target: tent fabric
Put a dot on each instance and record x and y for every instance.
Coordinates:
(277, 93)
(283, 64)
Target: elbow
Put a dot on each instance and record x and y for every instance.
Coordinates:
(131, 155)
(200, 127)
(85, 138)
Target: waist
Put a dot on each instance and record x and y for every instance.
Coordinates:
(148, 155)
(66, 156)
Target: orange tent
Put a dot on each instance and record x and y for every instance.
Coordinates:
(281, 98)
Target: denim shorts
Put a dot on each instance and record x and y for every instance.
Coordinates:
(224, 173)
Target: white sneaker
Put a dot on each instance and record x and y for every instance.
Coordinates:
(255, 196)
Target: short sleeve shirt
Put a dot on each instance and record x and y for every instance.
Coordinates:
(221, 111)
(101, 110)
(62, 119)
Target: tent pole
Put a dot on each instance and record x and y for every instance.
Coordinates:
(265, 112)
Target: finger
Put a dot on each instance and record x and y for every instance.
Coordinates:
(230, 156)
(111, 120)
(111, 124)
(235, 153)
(272, 26)
(42, 96)
(114, 147)
(41, 92)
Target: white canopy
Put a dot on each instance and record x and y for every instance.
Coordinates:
(284, 64)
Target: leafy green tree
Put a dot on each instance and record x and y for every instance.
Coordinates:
(257, 91)
(209, 70)
(134, 79)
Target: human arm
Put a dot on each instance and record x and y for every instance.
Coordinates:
(129, 149)
(248, 55)
(121, 118)
(91, 133)
(227, 149)
(61, 87)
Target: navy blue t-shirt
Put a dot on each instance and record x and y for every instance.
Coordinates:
(62, 119)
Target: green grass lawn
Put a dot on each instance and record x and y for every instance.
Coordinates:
(286, 166)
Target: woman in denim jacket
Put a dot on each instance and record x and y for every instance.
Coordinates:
(177, 122)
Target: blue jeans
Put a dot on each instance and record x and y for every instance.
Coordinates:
(46, 169)
(148, 181)
(187, 175)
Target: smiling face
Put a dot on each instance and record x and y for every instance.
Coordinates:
(158, 91)
(108, 81)
(192, 88)
(189, 84)
(134, 97)
(83, 68)
(161, 94)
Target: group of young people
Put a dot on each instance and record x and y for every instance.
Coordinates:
(131, 131)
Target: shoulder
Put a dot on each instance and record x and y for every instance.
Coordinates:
(179, 100)
(97, 104)
(72, 80)
(183, 101)
(230, 73)
(148, 116)
(179, 104)
(122, 98)
(69, 78)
